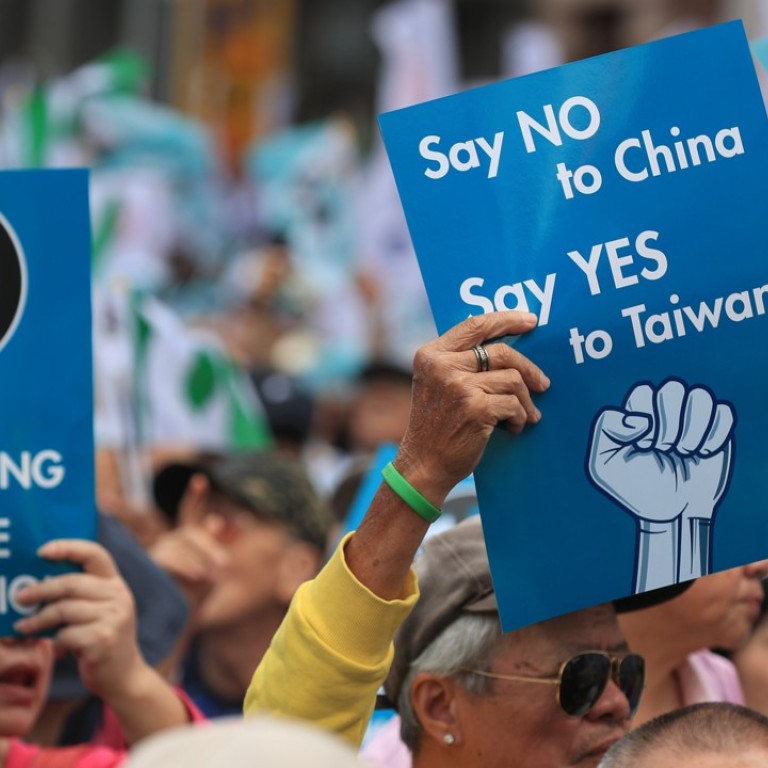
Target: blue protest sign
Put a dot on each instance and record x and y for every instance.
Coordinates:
(46, 408)
(619, 198)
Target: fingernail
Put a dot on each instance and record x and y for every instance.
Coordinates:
(537, 415)
(545, 382)
(529, 317)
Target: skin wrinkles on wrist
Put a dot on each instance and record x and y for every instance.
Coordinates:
(421, 479)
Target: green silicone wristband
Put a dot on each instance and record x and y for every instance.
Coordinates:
(421, 506)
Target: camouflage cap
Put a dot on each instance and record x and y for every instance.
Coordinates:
(275, 487)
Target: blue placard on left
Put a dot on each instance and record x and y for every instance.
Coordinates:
(46, 388)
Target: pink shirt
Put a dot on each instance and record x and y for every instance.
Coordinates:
(386, 750)
(108, 751)
(21, 755)
(706, 676)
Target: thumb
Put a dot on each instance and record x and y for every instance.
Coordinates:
(193, 504)
(621, 427)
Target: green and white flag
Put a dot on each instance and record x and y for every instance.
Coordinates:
(187, 389)
(42, 127)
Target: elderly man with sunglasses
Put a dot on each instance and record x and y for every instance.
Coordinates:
(555, 694)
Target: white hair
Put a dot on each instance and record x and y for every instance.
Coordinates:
(468, 643)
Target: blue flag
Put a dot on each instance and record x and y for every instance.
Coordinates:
(46, 402)
(621, 199)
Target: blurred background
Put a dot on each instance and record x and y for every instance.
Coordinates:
(253, 278)
(246, 66)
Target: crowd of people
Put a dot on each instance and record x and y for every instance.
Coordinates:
(281, 639)
(247, 601)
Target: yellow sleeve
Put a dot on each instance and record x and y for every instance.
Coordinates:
(332, 652)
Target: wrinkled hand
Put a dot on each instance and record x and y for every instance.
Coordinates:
(455, 408)
(92, 613)
(665, 452)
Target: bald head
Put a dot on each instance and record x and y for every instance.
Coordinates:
(699, 736)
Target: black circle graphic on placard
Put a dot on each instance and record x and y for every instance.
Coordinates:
(12, 279)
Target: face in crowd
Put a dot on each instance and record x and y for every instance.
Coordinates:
(265, 564)
(520, 719)
(25, 675)
(719, 610)
(250, 529)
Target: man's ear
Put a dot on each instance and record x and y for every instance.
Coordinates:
(435, 706)
(300, 562)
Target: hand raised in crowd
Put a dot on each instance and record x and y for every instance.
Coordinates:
(463, 389)
(191, 552)
(458, 399)
(91, 614)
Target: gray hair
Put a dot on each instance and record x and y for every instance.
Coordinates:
(716, 728)
(469, 643)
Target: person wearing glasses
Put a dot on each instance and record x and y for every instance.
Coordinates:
(556, 694)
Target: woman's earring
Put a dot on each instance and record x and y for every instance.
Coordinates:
(449, 739)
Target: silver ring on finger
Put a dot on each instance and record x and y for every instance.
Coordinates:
(483, 360)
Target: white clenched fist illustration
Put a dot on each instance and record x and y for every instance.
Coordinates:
(665, 457)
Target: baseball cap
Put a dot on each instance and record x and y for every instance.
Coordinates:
(454, 579)
(271, 485)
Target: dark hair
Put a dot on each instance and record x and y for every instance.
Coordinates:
(388, 371)
(714, 727)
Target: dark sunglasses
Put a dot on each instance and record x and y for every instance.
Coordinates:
(584, 677)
